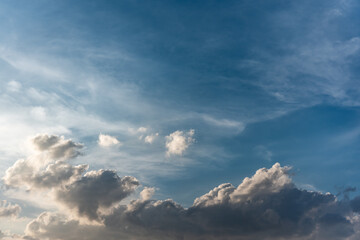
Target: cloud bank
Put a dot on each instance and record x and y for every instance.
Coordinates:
(267, 205)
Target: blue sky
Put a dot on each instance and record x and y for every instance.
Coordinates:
(190, 94)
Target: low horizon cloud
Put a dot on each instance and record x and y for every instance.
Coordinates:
(267, 205)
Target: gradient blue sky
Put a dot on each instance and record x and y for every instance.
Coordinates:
(260, 82)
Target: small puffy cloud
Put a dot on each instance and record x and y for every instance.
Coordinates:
(56, 146)
(178, 141)
(107, 140)
(151, 138)
(147, 193)
(9, 210)
(96, 189)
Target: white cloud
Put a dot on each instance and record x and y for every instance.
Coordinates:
(147, 193)
(151, 138)
(107, 140)
(47, 167)
(178, 141)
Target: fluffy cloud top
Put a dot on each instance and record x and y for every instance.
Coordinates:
(178, 141)
(264, 182)
(48, 168)
(107, 140)
(147, 193)
(24, 174)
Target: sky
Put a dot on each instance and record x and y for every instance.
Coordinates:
(182, 120)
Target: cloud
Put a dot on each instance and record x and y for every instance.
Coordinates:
(96, 189)
(225, 123)
(140, 130)
(107, 140)
(48, 168)
(265, 206)
(178, 141)
(23, 174)
(147, 193)
(151, 138)
(9, 210)
(56, 146)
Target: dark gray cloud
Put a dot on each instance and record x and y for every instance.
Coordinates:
(265, 206)
(96, 189)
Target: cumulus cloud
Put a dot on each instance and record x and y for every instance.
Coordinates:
(8, 209)
(96, 189)
(265, 206)
(56, 146)
(23, 174)
(107, 140)
(178, 141)
(47, 169)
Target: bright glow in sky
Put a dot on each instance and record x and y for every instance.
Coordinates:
(179, 120)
